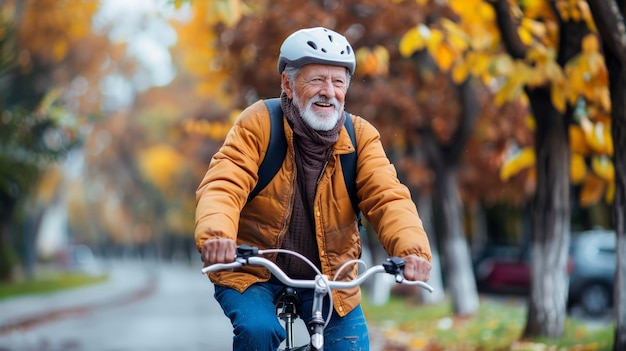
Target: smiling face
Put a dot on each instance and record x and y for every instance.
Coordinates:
(319, 92)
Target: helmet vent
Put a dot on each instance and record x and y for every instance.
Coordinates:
(330, 37)
(312, 44)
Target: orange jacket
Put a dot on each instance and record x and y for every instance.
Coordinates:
(232, 174)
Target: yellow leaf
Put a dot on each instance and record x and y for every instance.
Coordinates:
(460, 72)
(59, 50)
(480, 64)
(382, 60)
(413, 40)
(456, 37)
(557, 96)
(598, 136)
(511, 89)
(592, 190)
(575, 13)
(539, 54)
(610, 193)
(444, 56)
(590, 43)
(513, 165)
(530, 122)
(534, 27)
(537, 9)
(578, 143)
(554, 71)
(525, 36)
(605, 100)
(434, 40)
(161, 164)
(603, 167)
(578, 168)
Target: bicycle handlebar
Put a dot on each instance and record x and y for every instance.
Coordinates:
(310, 284)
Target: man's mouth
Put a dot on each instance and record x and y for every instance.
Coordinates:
(323, 104)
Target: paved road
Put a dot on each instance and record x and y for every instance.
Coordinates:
(176, 312)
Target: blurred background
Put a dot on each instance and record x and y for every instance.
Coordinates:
(110, 111)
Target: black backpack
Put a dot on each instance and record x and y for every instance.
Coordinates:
(278, 149)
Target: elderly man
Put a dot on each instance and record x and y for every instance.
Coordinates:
(306, 207)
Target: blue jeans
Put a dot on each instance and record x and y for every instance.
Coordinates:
(256, 327)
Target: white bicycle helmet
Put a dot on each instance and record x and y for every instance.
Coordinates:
(316, 45)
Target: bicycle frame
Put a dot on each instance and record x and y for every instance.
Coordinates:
(321, 285)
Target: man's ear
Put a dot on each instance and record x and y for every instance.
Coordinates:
(286, 85)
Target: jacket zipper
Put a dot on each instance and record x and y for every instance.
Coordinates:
(330, 154)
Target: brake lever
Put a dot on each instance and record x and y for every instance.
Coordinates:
(247, 251)
(395, 266)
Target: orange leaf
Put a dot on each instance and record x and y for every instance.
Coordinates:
(578, 144)
(444, 56)
(592, 190)
(578, 168)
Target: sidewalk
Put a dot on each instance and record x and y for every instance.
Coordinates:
(128, 280)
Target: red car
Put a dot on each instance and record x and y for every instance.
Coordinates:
(505, 269)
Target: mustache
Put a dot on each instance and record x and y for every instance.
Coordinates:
(325, 100)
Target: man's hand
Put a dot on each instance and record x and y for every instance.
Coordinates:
(218, 250)
(416, 268)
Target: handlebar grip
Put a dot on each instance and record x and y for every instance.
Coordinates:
(221, 266)
(419, 283)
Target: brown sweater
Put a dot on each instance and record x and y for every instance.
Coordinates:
(311, 152)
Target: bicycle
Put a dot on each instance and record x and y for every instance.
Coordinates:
(285, 304)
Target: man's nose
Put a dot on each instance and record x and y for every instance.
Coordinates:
(328, 90)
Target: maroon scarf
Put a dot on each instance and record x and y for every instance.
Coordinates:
(312, 147)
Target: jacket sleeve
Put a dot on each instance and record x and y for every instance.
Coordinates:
(386, 203)
(231, 175)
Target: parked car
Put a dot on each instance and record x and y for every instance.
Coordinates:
(591, 267)
(503, 269)
(594, 262)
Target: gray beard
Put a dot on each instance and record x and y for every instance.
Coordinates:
(321, 122)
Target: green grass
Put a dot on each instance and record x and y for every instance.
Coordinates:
(48, 282)
(496, 327)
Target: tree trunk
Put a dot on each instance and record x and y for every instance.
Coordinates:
(617, 76)
(618, 131)
(609, 18)
(551, 227)
(445, 160)
(424, 206)
(457, 261)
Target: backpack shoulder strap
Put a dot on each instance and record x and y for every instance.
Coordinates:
(348, 165)
(276, 150)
